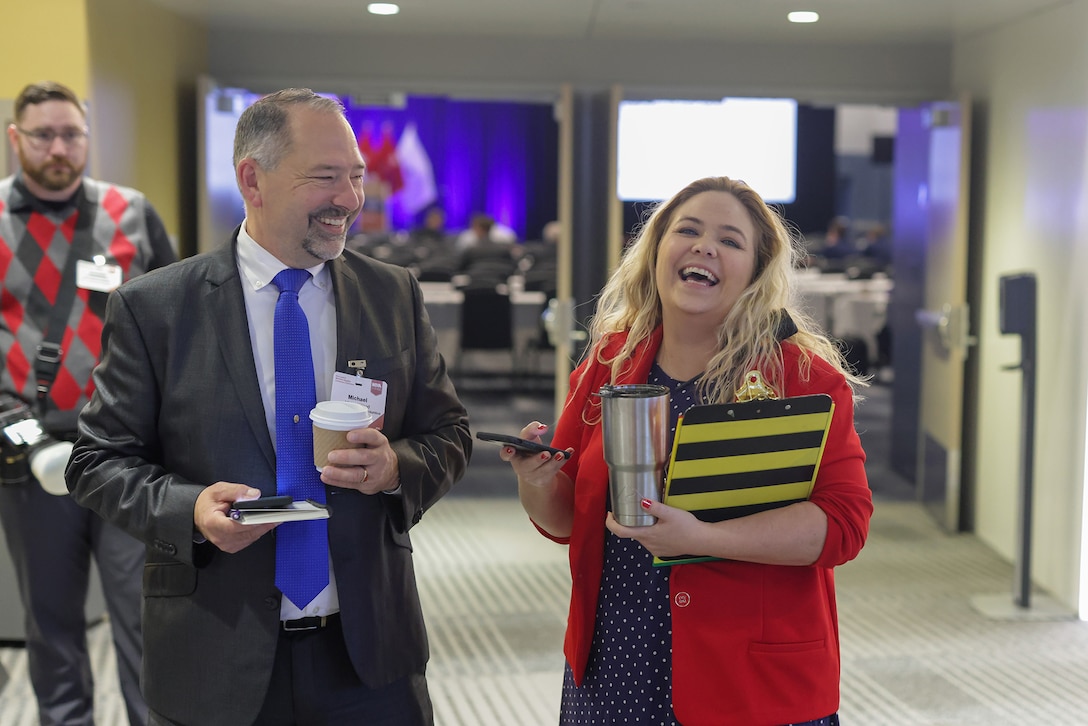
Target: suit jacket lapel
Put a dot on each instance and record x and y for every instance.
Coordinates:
(347, 291)
(225, 306)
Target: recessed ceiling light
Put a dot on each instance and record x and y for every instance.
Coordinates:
(803, 16)
(383, 8)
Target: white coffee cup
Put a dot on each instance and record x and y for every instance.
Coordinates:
(332, 420)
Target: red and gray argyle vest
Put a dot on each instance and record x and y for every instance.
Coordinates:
(34, 245)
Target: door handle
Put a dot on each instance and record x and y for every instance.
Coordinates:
(939, 322)
(559, 323)
(951, 325)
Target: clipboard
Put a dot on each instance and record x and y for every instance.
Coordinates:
(730, 460)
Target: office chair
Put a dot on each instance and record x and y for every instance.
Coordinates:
(487, 325)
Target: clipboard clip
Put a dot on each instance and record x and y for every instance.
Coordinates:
(754, 388)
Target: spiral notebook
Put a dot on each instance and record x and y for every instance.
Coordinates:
(730, 460)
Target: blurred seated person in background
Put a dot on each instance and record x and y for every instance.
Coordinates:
(836, 244)
(538, 260)
(550, 233)
(550, 237)
(544, 250)
(433, 229)
(876, 246)
(488, 258)
(435, 257)
(484, 228)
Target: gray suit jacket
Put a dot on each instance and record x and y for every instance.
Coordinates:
(177, 407)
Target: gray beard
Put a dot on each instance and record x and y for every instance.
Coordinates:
(323, 247)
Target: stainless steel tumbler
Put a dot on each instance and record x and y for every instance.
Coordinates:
(635, 423)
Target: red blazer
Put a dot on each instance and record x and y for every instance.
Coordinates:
(751, 644)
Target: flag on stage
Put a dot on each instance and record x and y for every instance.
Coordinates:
(416, 171)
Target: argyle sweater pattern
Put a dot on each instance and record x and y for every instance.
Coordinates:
(35, 241)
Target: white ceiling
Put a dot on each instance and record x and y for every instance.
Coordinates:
(753, 21)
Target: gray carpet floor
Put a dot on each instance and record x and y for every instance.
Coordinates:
(929, 634)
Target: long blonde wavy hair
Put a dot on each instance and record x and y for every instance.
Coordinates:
(747, 337)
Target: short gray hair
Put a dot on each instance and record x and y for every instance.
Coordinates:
(262, 133)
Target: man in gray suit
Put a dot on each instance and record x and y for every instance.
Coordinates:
(182, 425)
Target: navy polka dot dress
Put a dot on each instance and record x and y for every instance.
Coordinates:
(628, 678)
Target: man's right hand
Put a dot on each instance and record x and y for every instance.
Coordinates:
(211, 517)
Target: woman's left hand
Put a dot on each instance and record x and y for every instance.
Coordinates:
(676, 532)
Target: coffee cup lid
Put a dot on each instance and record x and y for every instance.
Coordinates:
(341, 415)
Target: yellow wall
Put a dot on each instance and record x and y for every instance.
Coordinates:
(137, 66)
(144, 65)
(55, 50)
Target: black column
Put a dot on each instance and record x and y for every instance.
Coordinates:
(591, 196)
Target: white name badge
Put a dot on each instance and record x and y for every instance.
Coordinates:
(367, 391)
(100, 278)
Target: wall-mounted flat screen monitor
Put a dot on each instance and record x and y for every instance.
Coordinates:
(663, 145)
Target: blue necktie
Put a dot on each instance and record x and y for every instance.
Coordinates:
(302, 565)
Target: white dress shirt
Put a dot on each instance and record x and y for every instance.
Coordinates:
(257, 266)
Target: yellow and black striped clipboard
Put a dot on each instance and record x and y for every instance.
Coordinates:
(730, 460)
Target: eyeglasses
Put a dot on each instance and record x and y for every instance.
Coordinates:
(44, 138)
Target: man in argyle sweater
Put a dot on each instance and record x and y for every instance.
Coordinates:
(48, 210)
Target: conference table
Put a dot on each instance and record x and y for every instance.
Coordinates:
(844, 307)
(443, 301)
(847, 308)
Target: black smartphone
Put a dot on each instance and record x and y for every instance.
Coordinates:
(273, 502)
(523, 445)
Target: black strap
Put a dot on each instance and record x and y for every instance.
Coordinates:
(47, 362)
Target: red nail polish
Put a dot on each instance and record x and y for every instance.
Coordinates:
(646, 503)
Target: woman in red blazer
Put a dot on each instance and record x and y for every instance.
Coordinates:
(702, 298)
